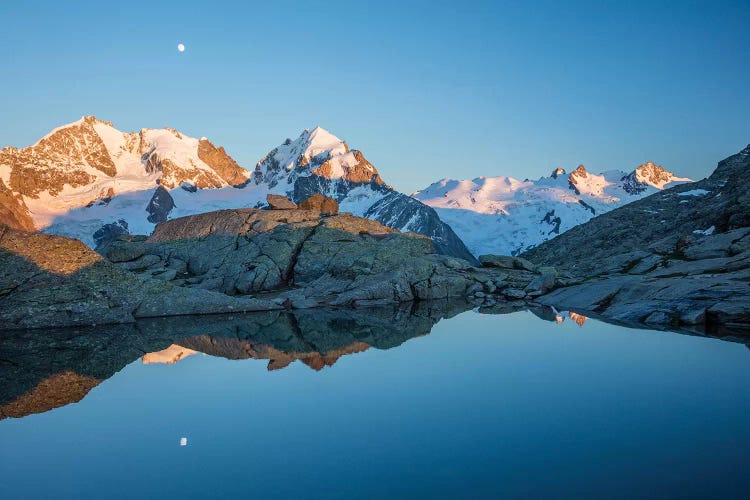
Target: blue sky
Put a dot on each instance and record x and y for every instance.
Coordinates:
(425, 89)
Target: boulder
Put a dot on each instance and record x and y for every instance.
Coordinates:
(541, 284)
(278, 202)
(506, 262)
(124, 251)
(320, 203)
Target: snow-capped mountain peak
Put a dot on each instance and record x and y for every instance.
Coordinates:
(558, 172)
(502, 215)
(90, 181)
(649, 174)
(656, 175)
(77, 164)
(315, 152)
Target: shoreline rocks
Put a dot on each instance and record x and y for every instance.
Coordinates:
(678, 257)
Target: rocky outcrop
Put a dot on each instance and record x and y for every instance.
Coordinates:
(506, 262)
(404, 212)
(305, 258)
(52, 281)
(13, 211)
(648, 174)
(160, 205)
(320, 203)
(278, 202)
(681, 256)
(223, 164)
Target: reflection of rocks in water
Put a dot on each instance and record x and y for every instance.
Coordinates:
(246, 349)
(39, 367)
(58, 390)
(319, 337)
(41, 370)
(580, 319)
(168, 356)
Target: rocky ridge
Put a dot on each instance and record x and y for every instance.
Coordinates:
(309, 258)
(677, 257)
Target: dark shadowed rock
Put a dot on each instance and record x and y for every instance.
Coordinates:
(506, 262)
(407, 214)
(109, 232)
(160, 205)
(53, 281)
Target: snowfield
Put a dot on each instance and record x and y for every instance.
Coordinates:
(505, 216)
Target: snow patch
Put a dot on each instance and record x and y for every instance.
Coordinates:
(694, 192)
(706, 232)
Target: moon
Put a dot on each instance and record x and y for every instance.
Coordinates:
(181, 47)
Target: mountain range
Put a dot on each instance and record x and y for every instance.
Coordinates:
(90, 181)
(505, 216)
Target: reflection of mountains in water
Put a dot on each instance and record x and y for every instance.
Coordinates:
(42, 370)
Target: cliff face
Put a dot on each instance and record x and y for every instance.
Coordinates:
(13, 211)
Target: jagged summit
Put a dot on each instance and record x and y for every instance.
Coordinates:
(558, 172)
(649, 174)
(90, 181)
(654, 175)
(315, 152)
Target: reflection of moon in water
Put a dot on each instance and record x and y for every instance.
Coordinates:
(180, 47)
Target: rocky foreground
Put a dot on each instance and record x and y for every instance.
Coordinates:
(678, 257)
(242, 260)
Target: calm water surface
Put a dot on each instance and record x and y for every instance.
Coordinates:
(482, 406)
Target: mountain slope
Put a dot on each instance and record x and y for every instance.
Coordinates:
(319, 162)
(679, 256)
(657, 223)
(90, 181)
(502, 215)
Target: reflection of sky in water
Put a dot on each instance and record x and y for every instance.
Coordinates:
(481, 406)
